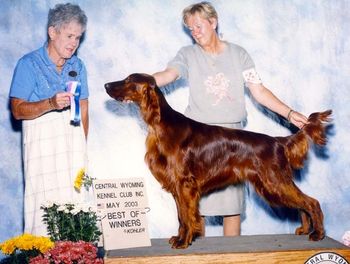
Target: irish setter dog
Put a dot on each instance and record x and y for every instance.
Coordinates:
(190, 159)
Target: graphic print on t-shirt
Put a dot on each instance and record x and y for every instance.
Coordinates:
(218, 86)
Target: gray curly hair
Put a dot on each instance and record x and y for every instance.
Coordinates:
(65, 13)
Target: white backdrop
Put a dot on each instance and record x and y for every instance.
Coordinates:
(301, 51)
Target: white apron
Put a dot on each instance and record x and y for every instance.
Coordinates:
(54, 151)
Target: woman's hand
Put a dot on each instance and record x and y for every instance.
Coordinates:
(60, 100)
(297, 119)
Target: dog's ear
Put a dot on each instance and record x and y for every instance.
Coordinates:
(144, 78)
(150, 103)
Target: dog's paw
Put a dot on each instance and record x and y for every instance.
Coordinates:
(300, 231)
(179, 244)
(316, 235)
(173, 240)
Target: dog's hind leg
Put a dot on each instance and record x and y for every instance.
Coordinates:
(305, 227)
(313, 209)
(289, 195)
(311, 213)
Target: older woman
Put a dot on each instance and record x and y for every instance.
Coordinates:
(54, 148)
(217, 72)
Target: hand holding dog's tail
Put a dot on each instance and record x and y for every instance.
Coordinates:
(313, 132)
(316, 127)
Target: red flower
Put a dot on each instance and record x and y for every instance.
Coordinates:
(69, 252)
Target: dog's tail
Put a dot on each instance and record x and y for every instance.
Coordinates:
(314, 131)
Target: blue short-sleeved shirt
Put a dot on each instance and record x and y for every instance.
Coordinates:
(35, 77)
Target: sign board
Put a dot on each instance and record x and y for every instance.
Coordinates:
(122, 205)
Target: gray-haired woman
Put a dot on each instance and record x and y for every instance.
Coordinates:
(217, 72)
(54, 134)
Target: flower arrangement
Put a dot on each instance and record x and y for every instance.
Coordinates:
(73, 227)
(71, 222)
(69, 252)
(22, 248)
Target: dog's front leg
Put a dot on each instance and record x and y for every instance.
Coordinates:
(187, 201)
(181, 230)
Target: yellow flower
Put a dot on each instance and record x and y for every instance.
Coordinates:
(79, 179)
(26, 242)
(8, 247)
(43, 244)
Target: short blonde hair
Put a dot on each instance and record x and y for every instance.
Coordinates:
(204, 9)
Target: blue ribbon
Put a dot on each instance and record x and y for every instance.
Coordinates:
(74, 87)
(77, 103)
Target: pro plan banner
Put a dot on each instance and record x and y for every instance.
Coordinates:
(122, 205)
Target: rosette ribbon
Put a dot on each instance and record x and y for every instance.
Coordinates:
(74, 88)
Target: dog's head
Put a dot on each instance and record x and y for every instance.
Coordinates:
(133, 88)
(141, 89)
